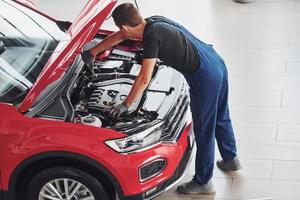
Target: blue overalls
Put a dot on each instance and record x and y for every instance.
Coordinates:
(209, 107)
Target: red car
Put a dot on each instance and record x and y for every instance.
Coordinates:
(57, 141)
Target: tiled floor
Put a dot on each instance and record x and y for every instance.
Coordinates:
(260, 42)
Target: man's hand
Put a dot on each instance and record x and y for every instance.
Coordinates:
(88, 58)
(142, 80)
(117, 110)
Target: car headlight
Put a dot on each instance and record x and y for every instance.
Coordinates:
(137, 141)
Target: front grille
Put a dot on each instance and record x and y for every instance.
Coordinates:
(177, 174)
(175, 123)
(152, 169)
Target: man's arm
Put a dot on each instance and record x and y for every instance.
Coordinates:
(142, 81)
(109, 41)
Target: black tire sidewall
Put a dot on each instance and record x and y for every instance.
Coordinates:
(47, 175)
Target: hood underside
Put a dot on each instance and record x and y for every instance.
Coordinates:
(80, 32)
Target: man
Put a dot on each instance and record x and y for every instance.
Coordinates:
(205, 73)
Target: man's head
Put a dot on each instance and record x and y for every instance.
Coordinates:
(127, 14)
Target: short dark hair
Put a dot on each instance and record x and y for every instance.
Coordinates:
(127, 14)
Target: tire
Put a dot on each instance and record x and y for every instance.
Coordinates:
(41, 186)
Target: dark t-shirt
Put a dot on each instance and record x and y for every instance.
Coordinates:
(164, 41)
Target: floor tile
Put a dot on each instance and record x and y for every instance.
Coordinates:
(283, 30)
(256, 68)
(296, 30)
(258, 41)
(255, 7)
(297, 17)
(262, 114)
(293, 69)
(163, 197)
(269, 150)
(272, 55)
(252, 169)
(236, 57)
(233, 30)
(257, 132)
(187, 197)
(294, 43)
(279, 18)
(234, 18)
(265, 83)
(289, 132)
(255, 97)
(257, 169)
(291, 99)
(271, 42)
(286, 170)
(282, 7)
(292, 55)
(264, 189)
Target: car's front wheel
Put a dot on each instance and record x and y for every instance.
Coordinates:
(65, 183)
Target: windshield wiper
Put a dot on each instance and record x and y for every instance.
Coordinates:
(26, 41)
(17, 97)
(2, 34)
(10, 23)
(33, 21)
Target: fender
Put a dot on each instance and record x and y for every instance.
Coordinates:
(60, 154)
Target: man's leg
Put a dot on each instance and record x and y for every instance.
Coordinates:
(204, 120)
(224, 131)
(204, 95)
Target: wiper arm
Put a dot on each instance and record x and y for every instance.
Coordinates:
(2, 34)
(38, 24)
(15, 98)
(10, 23)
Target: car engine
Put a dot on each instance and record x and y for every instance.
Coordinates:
(108, 83)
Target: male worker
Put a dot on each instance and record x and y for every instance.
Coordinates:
(205, 73)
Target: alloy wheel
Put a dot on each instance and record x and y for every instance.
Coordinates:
(65, 189)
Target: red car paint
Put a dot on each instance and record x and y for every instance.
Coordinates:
(81, 31)
(23, 138)
(28, 3)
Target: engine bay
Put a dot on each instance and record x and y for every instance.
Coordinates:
(109, 82)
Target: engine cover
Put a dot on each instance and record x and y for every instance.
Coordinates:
(103, 97)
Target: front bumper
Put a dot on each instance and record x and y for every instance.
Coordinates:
(173, 172)
(173, 180)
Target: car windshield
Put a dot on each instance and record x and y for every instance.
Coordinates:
(27, 40)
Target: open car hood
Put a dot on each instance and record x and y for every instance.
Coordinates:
(27, 3)
(84, 29)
